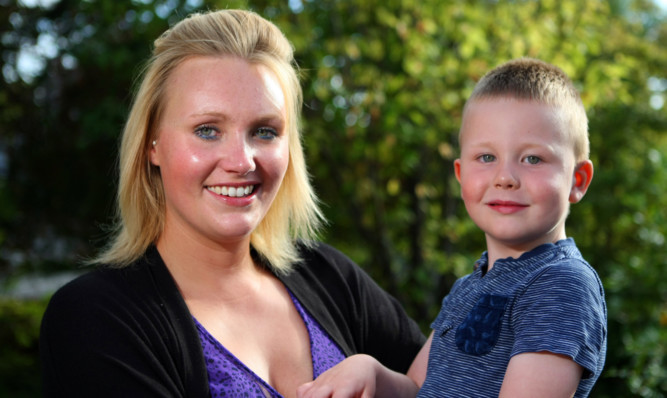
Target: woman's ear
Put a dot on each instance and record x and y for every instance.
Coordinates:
(152, 154)
(581, 180)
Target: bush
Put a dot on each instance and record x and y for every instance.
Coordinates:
(19, 347)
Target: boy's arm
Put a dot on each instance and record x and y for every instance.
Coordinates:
(541, 374)
(417, 371)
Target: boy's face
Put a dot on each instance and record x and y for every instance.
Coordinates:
(517, 173)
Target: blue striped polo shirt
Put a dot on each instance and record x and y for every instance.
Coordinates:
(549, 299)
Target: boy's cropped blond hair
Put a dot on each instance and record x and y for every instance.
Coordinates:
(528, 79)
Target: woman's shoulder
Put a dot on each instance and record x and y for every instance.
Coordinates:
(318, 248)
(112, 304)
(322, 255)
(126, 323)
(90, 292)
(93, 281)
(326, 266)
(323, 262)
(105, 287)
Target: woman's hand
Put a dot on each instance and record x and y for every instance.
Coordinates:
(359, 376)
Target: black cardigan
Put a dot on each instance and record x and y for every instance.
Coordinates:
(128, 332)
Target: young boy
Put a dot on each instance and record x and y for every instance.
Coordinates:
(530, 320)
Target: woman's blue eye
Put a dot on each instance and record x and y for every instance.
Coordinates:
(266, 133)
(206, 132)
(533, 159)
(486, 158)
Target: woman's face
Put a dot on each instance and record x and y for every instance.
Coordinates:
(222, 148)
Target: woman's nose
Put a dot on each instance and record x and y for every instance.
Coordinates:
(238, 155)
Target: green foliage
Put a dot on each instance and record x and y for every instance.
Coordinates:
(384, 85)
(629, 247)
(19, 334)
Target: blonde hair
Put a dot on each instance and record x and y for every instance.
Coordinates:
(294, 214)
(530, 79)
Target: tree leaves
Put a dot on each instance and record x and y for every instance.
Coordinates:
(384, 85)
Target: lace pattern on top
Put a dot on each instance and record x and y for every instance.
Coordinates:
(229, 377)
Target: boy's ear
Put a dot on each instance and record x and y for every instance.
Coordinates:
(581, 180)
(457, 169)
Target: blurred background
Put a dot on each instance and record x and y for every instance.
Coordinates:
(384, 85)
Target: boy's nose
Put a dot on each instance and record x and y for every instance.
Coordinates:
(506, 178)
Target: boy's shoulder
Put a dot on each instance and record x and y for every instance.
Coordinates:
(571, 271)
(560, 259)
(554, 270)
(566, 280)
(570, 263)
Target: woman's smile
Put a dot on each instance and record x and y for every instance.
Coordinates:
(232, 191)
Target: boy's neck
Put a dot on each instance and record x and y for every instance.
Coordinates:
(497, 251)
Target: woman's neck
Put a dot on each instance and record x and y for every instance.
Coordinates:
(207, 268)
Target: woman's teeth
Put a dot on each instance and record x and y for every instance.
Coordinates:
(232, 192)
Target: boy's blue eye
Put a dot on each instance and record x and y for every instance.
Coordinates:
(486, 158)
(266, 133)
(206, 132)
(533, 159)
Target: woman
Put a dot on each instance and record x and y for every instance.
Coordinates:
(212, 285)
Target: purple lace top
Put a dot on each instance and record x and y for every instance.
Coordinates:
(229, 377)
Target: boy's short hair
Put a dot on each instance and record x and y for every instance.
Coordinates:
(534, 80)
